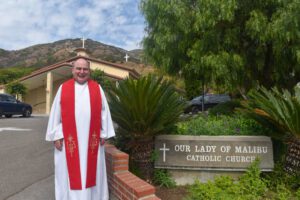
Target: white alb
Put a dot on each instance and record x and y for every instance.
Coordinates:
(54, 132)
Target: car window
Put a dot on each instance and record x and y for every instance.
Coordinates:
(3, 98)
(207, 98)
(11, 99)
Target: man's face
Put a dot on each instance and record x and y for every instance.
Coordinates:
(81, 71)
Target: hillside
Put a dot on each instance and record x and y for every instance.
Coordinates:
(45, 54)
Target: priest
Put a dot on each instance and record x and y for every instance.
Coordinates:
(79, 122)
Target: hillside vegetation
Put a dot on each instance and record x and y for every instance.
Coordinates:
(45, 54)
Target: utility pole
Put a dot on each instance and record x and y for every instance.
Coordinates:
(203, 93)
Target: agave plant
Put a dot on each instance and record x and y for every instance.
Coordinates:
(142, 109)
(282, 110)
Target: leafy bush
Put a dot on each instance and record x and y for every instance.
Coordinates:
(226, 108)
(16, 89)
(253, 185)
(249, 187)
(220, 125)
(282, 193)
(10, 74)
(298, 194)
(278, 177)
(99, 76)
(204, 191)
(163, 178)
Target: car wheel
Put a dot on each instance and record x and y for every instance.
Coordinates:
(27, 113)
(195, 110)
(8, 116)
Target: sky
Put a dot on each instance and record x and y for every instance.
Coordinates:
(24, 23)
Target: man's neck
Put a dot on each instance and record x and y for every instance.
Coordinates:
(81, 83)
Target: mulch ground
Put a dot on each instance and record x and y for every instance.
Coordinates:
(177, 193)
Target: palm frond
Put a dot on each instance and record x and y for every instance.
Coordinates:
(145, 107)
(281, 109)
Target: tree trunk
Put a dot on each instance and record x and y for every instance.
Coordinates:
(141, 155)
(292, 160)
(266, 77)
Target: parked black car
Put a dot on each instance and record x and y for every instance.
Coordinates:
(9, 106)
(210, 100)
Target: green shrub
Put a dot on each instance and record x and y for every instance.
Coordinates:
(226, 108)
(282, 193)
(298, 194)
(16, 89)
(220, 125)
(249, 187)
(223, 188)
(279, 176)
(163, 178)
(99, 76)
(13, 73)
(203, 191)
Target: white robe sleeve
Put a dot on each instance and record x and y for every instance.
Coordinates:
(107, 128)
(54, 129)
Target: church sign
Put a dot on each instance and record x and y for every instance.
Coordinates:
(229, 153)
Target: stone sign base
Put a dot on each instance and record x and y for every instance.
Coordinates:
(184, 177)
(205, 157)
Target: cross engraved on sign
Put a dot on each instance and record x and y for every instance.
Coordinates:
(94, 141)
(164, 149)
(71, 145)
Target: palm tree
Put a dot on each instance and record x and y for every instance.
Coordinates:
(282, 110)
(142, 109)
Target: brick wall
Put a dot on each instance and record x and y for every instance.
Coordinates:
(123, 184)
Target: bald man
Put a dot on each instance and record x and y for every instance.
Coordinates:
(79, 122)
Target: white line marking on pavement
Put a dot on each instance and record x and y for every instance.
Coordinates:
(13, 129)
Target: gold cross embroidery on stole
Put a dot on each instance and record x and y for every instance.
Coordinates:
(94, 141)
(71, 145)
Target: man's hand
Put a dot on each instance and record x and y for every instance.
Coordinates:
(58, 144)
(102, 141)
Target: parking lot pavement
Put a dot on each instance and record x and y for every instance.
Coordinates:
(26, 159)
(41, 190)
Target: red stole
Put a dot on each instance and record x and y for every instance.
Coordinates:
(70, 133)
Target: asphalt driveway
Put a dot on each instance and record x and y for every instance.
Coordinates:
(26, 159)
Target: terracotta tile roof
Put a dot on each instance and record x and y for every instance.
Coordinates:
(44, 69)
(133, 73)
(131, 70)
